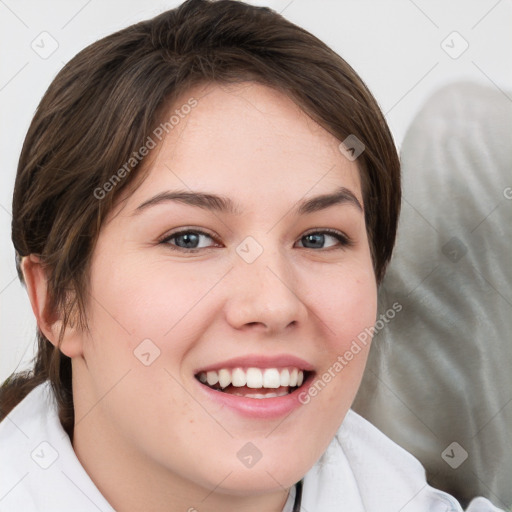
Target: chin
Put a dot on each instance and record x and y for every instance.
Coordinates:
(273, 472)
(259, 481)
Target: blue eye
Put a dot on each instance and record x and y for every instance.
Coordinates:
(187, 240)
(318, 239)
(194, 240)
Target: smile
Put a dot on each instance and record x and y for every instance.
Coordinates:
(270, 382)
(256, 386)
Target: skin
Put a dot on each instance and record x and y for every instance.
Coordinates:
(146, 436)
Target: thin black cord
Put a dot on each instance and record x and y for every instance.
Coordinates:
(298, 496)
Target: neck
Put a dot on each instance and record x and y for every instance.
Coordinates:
(130, 481)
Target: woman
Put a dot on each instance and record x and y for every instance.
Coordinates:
(205, 205)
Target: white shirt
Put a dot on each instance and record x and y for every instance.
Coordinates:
(362, 470)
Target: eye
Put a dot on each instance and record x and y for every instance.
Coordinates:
(188, 240)
(192, 240)
(325, 239)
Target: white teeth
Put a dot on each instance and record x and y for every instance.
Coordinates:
(255, 378)
(262, 395)
(224, 378)
(293, 377)
(212, 378)
(271, 378)
(239, 379)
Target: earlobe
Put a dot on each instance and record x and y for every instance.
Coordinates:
(49, 322)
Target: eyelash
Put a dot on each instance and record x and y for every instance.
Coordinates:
(344, 240)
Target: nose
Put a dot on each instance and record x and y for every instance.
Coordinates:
(264, 295)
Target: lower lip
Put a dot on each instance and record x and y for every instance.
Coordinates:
(263, 408)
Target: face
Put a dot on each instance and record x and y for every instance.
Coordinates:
(223, 289)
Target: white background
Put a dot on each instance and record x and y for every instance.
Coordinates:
(396, 47)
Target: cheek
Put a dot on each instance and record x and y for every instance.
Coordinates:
(134, 300)
(144, 316)
(345, 299)
(357, 309)
(346, 307)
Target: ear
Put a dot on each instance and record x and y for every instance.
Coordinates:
(49, 322)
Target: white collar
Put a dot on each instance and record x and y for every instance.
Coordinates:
(43, 472)
(361, 470)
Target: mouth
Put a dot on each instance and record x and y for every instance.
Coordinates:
(253, 382)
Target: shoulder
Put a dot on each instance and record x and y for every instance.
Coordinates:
(365, 467)
(38, 466)
(17, 432)
(21, 426)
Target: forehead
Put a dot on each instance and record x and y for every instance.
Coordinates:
(247, 141)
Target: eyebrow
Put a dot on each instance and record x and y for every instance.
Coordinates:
(223, 204)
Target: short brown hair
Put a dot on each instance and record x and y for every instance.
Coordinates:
(103, 104)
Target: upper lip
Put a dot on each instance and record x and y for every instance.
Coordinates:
(259, 361)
